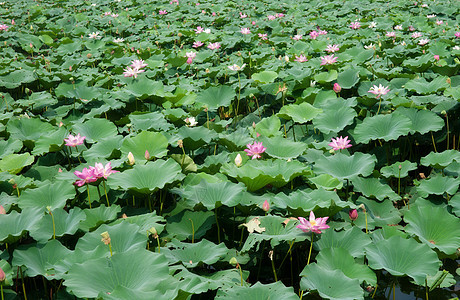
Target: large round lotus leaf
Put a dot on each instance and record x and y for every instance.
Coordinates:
(195, 137)
(394, 171)
(147, 178)
(237, 139)
(9, 146)
(385, 127)
(439, 185)
(168, 289)
(378, 213)
(348, 78)
(17, 78)
(423, 121)
(153, 142)
(269, 126)
(299, 113)
(140, 270)
(265, 76)
(14, 163)
(143, 87)
(14, 223)
(104, 148)
(216, 96)
(423, 87)
(455, 203)
(330, 284)
(259, 291)
(274, 229)
(353, 240)
(41, 259)
(326, 182)
(53, 194)
(191, 255)
(145, 222)
(342, 166)
(213, 195)
(97, 216)
(324, 77)
(373, 187)
(51, 142)
(335, 117)
(279, 147)
(434, 226)
(95, 129)
(151, 120)
(340, 259)
(190, 224)
(401, 256)
(64, 223)
(441, 159)
(256, 174)
(79, 91)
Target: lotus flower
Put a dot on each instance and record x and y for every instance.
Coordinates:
(271, 17)
(103, 171)
(197, 44)
(328, 60)
(242, 16)
(162, 12)
(266, 206)
(263, 36)
(238, 160)
(379, 91)
(94, 35)
(390, 34)
(132, 72)
(2, 276)
(340, 143)
(457, 34)
(255, 150)
(314, 34)
(190, 56)
(190, 122)
(2, 210)
(73, 141)
(355, 25)
(245, 30)
(423, 42)
(87, 175)
(214, 46)
(131, 159)
(436, 57)
(301, 58)
(3, 27)
(314, 224)
(297, 37)
(416, 35)
(372, 25)
(138, 64)
(235, 67)
(398, 27)
(332, 48)
(353, 214)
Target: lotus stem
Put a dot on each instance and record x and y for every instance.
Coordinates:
(380, 103)
(105, 192)
(23, 285)
(394, 290)
(218, 227)
(289, 251)
(375, 290)
(426, 289)
(193, 231)
(239, 95)
(273, 265)
(89, 197)
(241, 273)
(1, 288)
(54, 226)
(311, 246)
(447, 121)
(399, 182)
(434, 144)
(301, 295)
(158, 241)
(365, 217)
(110, 248)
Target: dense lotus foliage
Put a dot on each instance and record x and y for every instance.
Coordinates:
(229, 149)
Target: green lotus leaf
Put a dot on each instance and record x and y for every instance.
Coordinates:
(401, 257)
(423, 121)
(439, 185)
(195, 137)
(99, 215)
(213, 195)
(394, 171)
(374, 187)
(53, 194)
(455, 203)
(151, 120)
(324, 77)
(342, 166)
(423, 87)
(104, 148)
(234, 141)
(299, 113)
(340, 259)
(143, 87)
(24, 129)
(148, 178)
(385, 127)
(64, 223)
(357, 54)
(330, 284)
(259, 291)
(145, 222)
(78, 91)
(50, 143)
(265, 76)
(440, 160)
(190, 224)
(216, 96)
(167, 290)
(15, 224)
(256, 174)
(269, 126)
(14, 163)
(279, 147)
(326, 182)
(153, 142)
(95, 129)
(17, 78)
(379, 214)
(335, 117)
(449, 280)
(9, 146)
(348, 78)
(193, 254)
(9, 275)
(275, 231)
(353, 240)
(133, 270)
(442, 234)
(42, 259)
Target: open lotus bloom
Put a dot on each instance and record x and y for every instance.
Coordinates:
(255, 150)
(313, 224)
(340, 143)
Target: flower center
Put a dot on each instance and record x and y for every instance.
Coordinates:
(313, 223)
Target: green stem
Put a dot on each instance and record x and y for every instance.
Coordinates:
(105, 191)
(158, 241)
(311, 246)
(1, 287)
(54, 227)
(365, 217)
(110, 248)
(23, 285)
(289, 251)
(89, 197)
(193, 231)
(273, 268)
(239, 95)
(447, 121)
(241, 274)
(218, 227)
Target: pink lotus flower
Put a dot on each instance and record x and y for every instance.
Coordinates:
(86, 175)
(214, 46)
(245, 30)
(423, 42)
(328, 60)
(439, 22)
(280, 15)
(416, 35)
(138, 64)
(3, 27)
(255, 150)
(301, 58)
(340, 143)
(101, 171)
(162, 12)
(297, 37)
(314, 224)
(73, 141)
(332, 48)
(436, 57)
(337, 88)
(263, 36)
(379, 91)
(411, 28)
(197, 44)
(130, 72)
(457, 34)
(314, 34)
(390, 34)
(190, 56)
(398, 27)
(2, 210)
(242, 16)
(355, 25)
(271, 17)
(322, 32)
(199, 29)
(2, 277)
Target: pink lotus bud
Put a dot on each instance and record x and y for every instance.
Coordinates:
(353, 214)
(213, 14)
(253, 22)
(12, 22)
(2, 210)
(147, 155)
(189, 60)
(337, 88)
(60, 170)
(2, 275)
(436, 57)
(257, 134)
(266, 206)
(254, 125)
(60, 124)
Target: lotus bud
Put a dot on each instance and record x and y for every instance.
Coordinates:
(147, 155)
(233, 261)
(436, 57)
(105, 238)
(180, 143)
(2, 275)
(89, 55)
(48, 208)
(448, 81)
(131, 160)
(254, 125)
(2, 210)
(337, 88)
(400, 167)
(363, 207)
(286, 58)
(353, 214)
(153, 232)
(270, 254)
(266, 206)
(238, 160)
(124, 216)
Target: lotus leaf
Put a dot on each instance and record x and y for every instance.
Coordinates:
(54, 195)
(439, 185)
(326, 182)
(15, 224)
(423, 121)
(145, 222)
(269, 126)
(190, 225)
(448, 280)
(9, 146)
(78, 91)
(394, 171)
(64, 223)
(335, 117)
(144, 87)
(14, 163)
(279, 147)
(216, 96)
(348, 78)
(195, 137)
(146, 121)
(324, 77)
(265, 76)
(104, 148)
(95, 129)
(192, 254)
(299, 113)
(374, 187)
(17, 78)
(24, 129)
(379, 213)
(50, 143)
(353, 241)
(9, 275)
(153, 142)
(259, 291)
(423, 87)
(385, 127)
(342, 166)
(401, 257)
(99, 215)
(455, 203)
(441, 159)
